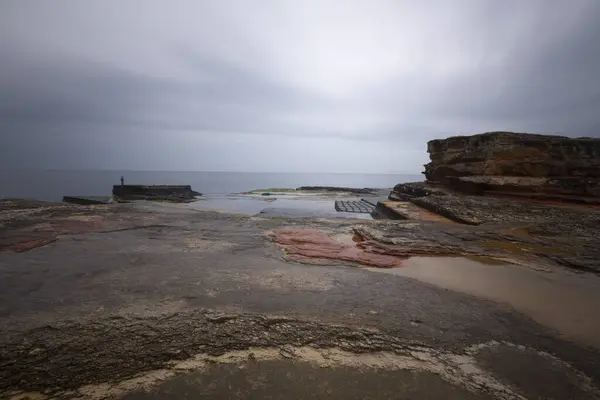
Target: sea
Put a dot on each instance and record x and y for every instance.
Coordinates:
(52, 185)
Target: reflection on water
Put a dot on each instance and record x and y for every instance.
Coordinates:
(278, 205)
(563, 300)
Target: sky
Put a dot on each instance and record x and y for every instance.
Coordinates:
(286, 85)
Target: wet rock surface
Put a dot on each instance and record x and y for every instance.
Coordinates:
(118, 347)
(537, 366)
(286, 379)
(27, 224)
(63, 358)
(137, 291)
(555, 231)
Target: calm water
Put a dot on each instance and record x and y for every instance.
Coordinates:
(54, 184)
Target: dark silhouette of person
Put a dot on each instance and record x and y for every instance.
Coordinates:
(122, 181)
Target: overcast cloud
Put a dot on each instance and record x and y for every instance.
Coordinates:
(298, 85)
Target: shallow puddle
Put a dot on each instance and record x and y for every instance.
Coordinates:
(566, 301)
(519, 248)
(296, 205)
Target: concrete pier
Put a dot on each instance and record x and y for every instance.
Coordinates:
(176, 193)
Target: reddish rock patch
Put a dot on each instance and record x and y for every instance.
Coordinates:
(48, 232)
(25, 224)
(18, 246)
(83, 225)
(310, 245)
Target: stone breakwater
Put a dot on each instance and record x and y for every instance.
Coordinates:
(174, 193)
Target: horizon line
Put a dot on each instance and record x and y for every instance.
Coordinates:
(226, 171)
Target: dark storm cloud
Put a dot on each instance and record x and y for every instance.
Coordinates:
(545, 87)
(379, 78)
(228, 98)
(552, 87)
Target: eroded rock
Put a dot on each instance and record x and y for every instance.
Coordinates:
(516, 162)
(527, 232)
(312, 245)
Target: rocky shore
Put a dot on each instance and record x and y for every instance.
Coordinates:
(462, 293)
(531, 195)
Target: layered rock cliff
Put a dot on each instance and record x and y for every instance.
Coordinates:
(507, 162)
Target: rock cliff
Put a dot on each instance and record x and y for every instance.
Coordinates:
(516, 163)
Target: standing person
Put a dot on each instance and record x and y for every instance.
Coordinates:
(122, 180)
